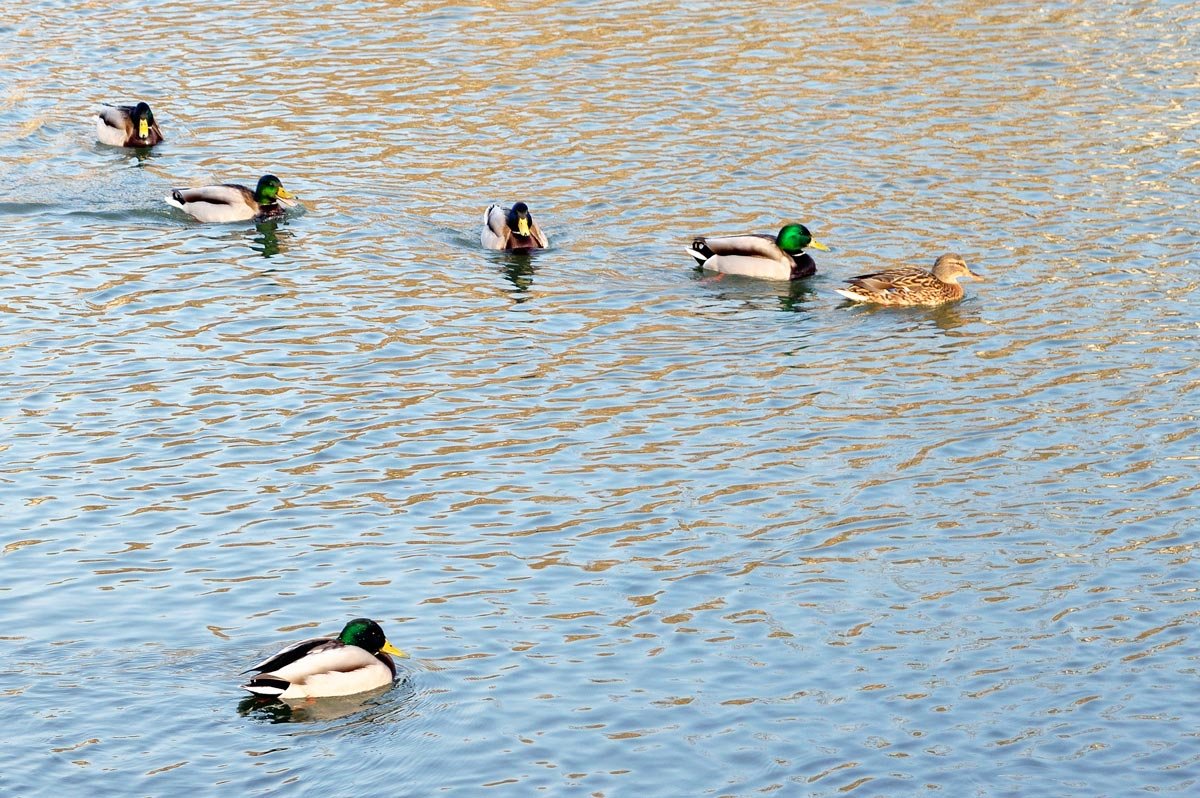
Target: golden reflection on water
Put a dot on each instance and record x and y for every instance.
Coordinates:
(630, 513)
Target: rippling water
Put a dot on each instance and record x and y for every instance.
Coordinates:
(645, 532)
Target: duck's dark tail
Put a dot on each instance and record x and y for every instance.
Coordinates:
(268, 685)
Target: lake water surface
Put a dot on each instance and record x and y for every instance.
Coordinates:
(645, 532)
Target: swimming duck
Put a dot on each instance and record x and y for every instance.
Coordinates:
(511, 228)
(912, 285)
(758, 255)
(233, 203)
(353, 662)
(128, 126)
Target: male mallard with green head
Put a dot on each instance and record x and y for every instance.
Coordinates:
(127, 126)
(912, 285)
(353, 662)
(511, 228)
(231, 202)
(781, 257)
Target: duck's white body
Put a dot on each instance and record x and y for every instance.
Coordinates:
(780, 257)
(228, 202)
(746, 255)
(321, 667)
(353, 662)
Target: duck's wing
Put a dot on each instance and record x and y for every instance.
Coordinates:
(114, 125)
(227, 194)
(289, 655)
(910, 286)
(118, 117)
(537, 235)
(893, 280)
(495, 231)
(330, 658)
(753, 245)
(218, 203)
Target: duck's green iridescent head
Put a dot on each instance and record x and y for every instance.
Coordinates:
(519, 219)
(269, 189)
(366, 634)
(144, 118)
(793, 238)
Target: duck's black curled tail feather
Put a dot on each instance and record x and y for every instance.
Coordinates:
(177, 196)
(700, 250)
(266, 684)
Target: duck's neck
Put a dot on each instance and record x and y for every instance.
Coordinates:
(269, 210)
(803, 266)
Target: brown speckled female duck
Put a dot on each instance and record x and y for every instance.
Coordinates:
(912, 286)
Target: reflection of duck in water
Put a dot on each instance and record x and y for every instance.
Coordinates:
(233, 203)
(127, 126)
(353, 662)
(912, 285)
(268, 236)
(758, 255)
(511, 228)
(519, 270)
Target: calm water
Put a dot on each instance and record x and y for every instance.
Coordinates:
(645, 533)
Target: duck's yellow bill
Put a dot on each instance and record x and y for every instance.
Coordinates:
(143, 128)
(815, 244)
(388, 648)
(283, 192)
(523, 227)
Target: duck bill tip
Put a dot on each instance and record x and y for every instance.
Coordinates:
(388, 648)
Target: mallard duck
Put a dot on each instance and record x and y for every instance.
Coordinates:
(353, 662)
(233, 203)
(912, 285)
(511, 228)
(759, 255)
(127, 126)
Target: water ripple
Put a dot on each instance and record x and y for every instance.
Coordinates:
(625, 515)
